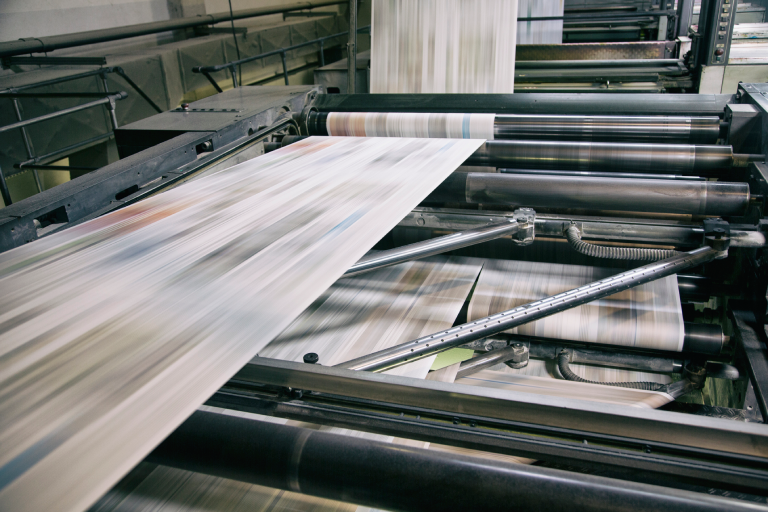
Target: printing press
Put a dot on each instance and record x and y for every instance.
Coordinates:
(646, 185)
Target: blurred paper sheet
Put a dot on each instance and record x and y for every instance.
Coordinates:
(443, 46)
(540, 32)
(567, 389)
(114, 331)
(646, 316)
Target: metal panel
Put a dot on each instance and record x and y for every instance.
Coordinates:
(596, 51)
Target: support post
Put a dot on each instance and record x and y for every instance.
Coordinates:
(352, 48)
(285, 67)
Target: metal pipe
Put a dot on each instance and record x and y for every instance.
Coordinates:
(599, 174)
(483, 361)
(228, 65)
(64, 150)
(627, 231)
(541, 348)
(374, 474)
(50, 43)
(77, 108)
(500, 322)
(52, 81)
(603, 156)
(589, 63)
(691, 130)
(619, 194)
(4, 189)
(352, 48)
(431, 247)
(27, 144)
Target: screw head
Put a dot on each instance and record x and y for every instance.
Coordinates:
(311, 358)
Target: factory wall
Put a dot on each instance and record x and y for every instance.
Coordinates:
(37, 18)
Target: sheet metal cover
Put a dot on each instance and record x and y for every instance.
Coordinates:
(113, 332)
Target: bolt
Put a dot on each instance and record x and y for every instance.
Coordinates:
(311, 358)
(518, 345)
(456, 421)
(647, 448)
(472, 423)
(185, 106)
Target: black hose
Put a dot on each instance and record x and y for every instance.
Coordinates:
(615, 253)
(563, 363)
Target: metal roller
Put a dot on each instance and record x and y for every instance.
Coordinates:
(691, 130)
(669, 129)
(603, 156)
(621, 194)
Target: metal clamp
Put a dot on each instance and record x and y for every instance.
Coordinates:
(717, 235)
(520, 356)
(526, 220)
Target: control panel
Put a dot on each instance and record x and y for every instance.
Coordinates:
(716, 24)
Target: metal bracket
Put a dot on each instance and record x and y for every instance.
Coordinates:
(526, 220)
(520, 356)
(717, 234)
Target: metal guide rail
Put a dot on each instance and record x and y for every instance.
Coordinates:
(724, 453)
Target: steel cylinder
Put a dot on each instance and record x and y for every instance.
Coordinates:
(603, 156)
(620, 194)
(691, 130)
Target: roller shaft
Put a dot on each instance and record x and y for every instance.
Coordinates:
(620, 194)
(691, 130)
(669, 129)
(603, 156)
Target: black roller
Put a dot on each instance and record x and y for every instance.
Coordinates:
(397, 477)
(603, 156)
(586, 193)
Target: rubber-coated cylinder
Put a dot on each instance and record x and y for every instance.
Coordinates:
(620, 194)
(397, 477)
(690, 130)
(603, 156)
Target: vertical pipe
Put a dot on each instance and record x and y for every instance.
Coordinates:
(28, 145)
(322, 55)
(285, 67)
(4, 190)
(112, 114)
(352, 48)
(233, 69)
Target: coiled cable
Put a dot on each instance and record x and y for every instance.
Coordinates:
(563, 363)
(615, 253)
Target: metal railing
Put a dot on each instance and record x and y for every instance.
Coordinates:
(35, 162)
(50, 43)
(232, 66)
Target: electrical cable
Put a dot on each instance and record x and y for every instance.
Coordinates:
(563, 363)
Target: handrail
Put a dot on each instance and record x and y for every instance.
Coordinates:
(110, 99)
(50, 43)
(232, 66)
(13, 92)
